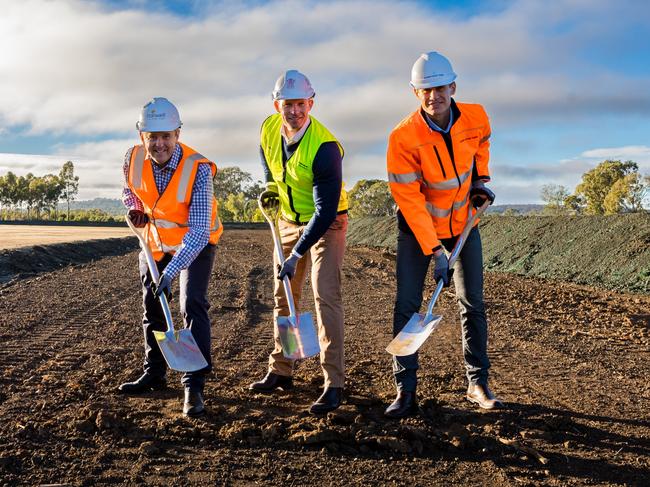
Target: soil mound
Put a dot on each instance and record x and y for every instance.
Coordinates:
(29, 261)
(612, 252)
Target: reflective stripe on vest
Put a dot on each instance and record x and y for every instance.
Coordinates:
(450, 183)
(138, 165)
(406, 178)
(184, 183)
(409, 177)
(170, 224)
(445, 212)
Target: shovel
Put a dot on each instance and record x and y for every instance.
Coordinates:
(178, 347)
(420, 326)
(297, 333)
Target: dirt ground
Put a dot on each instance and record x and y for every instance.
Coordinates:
(572, 363)
(15, 236)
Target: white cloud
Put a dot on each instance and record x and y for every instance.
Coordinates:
(85, 75)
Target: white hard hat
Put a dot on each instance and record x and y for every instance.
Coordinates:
(430, 70)
(293, 85)
(159, 115)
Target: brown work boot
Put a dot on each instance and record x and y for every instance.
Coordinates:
(482, 395)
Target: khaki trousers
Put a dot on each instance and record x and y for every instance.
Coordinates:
(325, 259)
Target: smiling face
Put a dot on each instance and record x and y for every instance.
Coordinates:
(160, 145)
(437, 101)
(294, 113)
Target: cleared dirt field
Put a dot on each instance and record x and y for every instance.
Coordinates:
(571, 361)
(15, 236)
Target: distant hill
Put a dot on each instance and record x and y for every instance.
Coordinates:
(109, 205)
(521, 209)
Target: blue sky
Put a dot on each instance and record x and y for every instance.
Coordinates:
(566, 83)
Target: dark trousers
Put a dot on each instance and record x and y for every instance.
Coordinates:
(194, 309)
(412, 267)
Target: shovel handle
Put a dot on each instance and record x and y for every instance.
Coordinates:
(153, 270)
(277, 243)
(455, 252)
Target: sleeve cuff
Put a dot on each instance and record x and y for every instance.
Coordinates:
(296, 254)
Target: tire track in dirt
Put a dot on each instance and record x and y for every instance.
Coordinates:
(67, 425)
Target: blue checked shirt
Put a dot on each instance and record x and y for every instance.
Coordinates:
(200, 208)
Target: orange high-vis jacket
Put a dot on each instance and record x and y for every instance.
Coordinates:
(430, 185)
(169, 212)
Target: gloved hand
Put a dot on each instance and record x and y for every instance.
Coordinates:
(479, 193)
(289, 267)
(138, 218)
(269, 198)
(164, 285)
(441, 270)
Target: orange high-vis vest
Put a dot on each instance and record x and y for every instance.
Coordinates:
(169, 212)
(430, 185)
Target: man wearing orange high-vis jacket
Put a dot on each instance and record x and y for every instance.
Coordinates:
(437, 169)
(168, 191)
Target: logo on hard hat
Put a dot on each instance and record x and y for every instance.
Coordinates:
(291, 83)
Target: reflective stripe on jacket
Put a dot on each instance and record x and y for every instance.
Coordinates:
(430, 185)
(169, 213)
(294, 178)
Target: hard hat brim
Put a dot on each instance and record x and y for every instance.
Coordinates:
(433, 82)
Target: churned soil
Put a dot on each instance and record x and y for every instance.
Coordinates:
(571, 362)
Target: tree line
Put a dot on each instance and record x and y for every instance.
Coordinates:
(37, 197)
(237, 194)
(611, 187)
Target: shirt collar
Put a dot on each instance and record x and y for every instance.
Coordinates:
(454, 114)
(296, 138)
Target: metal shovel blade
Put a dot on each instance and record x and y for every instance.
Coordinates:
(299, 338)
(414, 334)
(180, 350)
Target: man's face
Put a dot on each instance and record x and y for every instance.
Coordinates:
(436, 101)
(294, 112)
(160, 145)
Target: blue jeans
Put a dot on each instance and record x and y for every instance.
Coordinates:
(194, 309)
(412, 267)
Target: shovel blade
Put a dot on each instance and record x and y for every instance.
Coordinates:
(413, 335)
(298, 336)
(180, 350)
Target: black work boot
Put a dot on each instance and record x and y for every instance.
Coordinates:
(193, 405)
(146, 383)
(329, 400)
(405, 404)
(272, 382)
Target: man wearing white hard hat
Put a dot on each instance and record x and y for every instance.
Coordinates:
(302, 161)
(168, 192)
(437, 162)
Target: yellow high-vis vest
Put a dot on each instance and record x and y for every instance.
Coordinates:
(295, 179)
